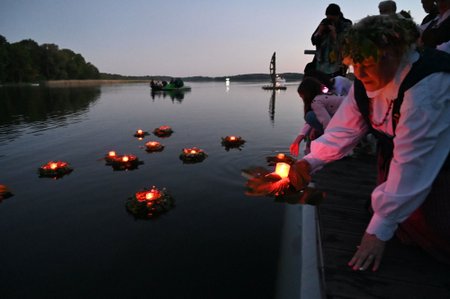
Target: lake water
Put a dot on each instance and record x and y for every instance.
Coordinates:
(73, 237)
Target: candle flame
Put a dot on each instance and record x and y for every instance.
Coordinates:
(125, 158)
(139, 131)
(232, 138)
(193, 151)
(282, 169)
(281, 156)
(53, 165)
(112, 154)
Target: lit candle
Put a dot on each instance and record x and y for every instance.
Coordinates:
(232, 138)
(112, 154)
(282, 169)
(54, 166)
(193, 151)
(281, 156)
(139, 132)
(152, 195)
(125, 159)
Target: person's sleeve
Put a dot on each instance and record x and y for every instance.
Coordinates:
(421, 146)
(321, 111)
(345, 129)
(306, 129)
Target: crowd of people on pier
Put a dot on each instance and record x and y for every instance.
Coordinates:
(401, 95)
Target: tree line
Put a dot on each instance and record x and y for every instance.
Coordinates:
(27, 61)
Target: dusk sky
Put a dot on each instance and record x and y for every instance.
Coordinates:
(181, 38)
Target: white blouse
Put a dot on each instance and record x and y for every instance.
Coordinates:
(421, 143)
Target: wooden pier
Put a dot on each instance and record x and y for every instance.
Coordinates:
(406, 271)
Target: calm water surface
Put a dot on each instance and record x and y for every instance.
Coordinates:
(73, 237)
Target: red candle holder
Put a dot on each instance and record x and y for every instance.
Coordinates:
(149, 203)
(55, 169)
(192, 155)
(153, 146)
(232, 142)
(140, 134)
(163, 131)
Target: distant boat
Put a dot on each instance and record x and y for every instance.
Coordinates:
(276, 81)
(174, 85)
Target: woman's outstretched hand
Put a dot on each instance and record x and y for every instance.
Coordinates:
(369, 252)
(294, 147)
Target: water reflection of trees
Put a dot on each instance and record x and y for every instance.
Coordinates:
(42, 106)
(174, 95)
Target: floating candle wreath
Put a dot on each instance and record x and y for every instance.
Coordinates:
(122, 162)
(140, 134)
(163, 131)
(4, 193)
(192, 155)
(150, 203)
(280, 158)
(55, 169)
(232, 142)
(153, 146)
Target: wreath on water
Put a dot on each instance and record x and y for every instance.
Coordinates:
(272, 160)
(149, 203)
(192, 155)
(153, 146)
(122, 162)
(55, 169)
(140, 134)
(163, 131)
(232, 142)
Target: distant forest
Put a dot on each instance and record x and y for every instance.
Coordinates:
(26, 61)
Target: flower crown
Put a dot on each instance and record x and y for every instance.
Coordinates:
(374, 34)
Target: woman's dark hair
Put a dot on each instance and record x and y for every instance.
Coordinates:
(308, 89)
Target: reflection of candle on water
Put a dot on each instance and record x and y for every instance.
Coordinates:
(282, 169)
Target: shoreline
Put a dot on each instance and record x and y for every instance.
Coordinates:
(80, 83)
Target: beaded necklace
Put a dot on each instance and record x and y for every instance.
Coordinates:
(377, 124)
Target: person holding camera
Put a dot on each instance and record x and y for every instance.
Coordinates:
(328, 39)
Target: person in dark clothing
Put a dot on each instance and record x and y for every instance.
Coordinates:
(328, 39)
(437, 33)
(430, 7)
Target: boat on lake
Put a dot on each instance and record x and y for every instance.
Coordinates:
(173, 85)
(277, 82)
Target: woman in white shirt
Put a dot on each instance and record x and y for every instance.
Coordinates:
(414, 193)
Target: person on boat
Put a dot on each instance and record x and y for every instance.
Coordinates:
(328, 39)
(403, 96)
(319, 108)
